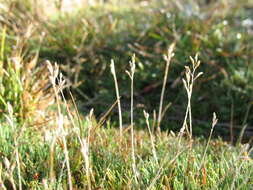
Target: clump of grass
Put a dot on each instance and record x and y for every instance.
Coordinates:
(24, 83)
(54, 71)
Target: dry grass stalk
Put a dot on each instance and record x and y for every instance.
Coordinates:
(18, 167)
(190, 77)
(54, 71)
(51, 162)
(85, 153)
(214, 122)
(244, 124)
(146, 115)
(118, 97)
(85, 144)
(154, 120)
(167, 58)
(131, 76)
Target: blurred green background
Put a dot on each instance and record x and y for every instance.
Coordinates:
(83, 40)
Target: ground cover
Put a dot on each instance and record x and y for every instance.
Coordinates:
(60, 126)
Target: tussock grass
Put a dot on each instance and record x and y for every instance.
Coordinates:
(23, 82)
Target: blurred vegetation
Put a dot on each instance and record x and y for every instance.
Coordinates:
(85, 40)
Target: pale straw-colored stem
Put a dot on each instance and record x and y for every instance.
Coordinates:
(118, 97)
(167, 58)
(131, 76)
(146, 115)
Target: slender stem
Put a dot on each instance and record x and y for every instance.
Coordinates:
(188, 84)
(67, 163)
(54, 71)
(131, 76)
(132, 129)
(190, 114)
(118, 97)
(18, 167)
(146, 115)
(168, 59)
(51, 162)
(215, 120)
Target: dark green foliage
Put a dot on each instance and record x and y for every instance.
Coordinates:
(86, 41)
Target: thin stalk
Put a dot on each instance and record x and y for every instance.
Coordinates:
(85, 144)
(188, 84)
(214, 122)
(65, 149)
(118, 97)
(184, 127)
(18, 167)
(85, 153)
(85, 150)
(154, 121)
(165, 109)
(146, 115)
(67, 162)
(54, 71)
(132, 130)
(3, 46)
(190, 114)
(244, 124)
(168, 58)
(51, 162)
(131, 76)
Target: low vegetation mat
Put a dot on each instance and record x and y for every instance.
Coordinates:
(126, 94)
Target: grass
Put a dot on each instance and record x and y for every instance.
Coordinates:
(107, 163)
(47, 141)
(117, 33)
(72, 154)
